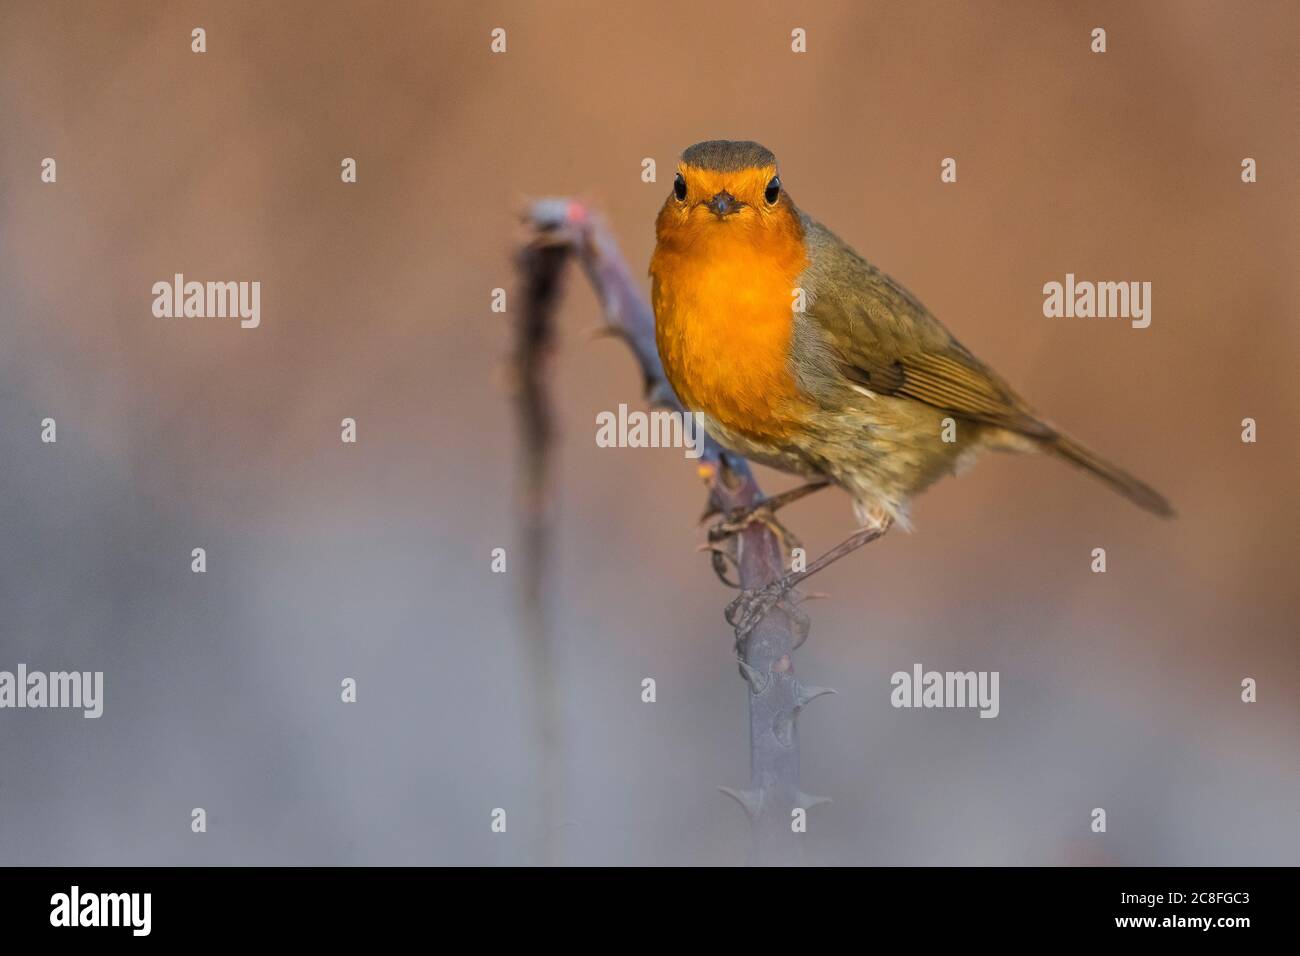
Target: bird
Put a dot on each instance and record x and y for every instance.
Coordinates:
(800, 354)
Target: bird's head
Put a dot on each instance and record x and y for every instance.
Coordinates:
(725, 189)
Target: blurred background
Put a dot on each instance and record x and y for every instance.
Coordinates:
(371, 561)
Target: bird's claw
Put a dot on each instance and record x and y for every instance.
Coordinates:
(751, 606)
(723, 534)
(739, 519)
(718, 557)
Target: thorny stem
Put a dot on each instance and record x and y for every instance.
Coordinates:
(560, 228)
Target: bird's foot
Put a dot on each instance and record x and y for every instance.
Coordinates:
(722, 535)
(740, 519)
(751, 606)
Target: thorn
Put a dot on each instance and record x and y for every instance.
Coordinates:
(756, 679)
(802, 624)
(751, 801)
(605, 331)
(805, 694)
(816, 596)
(715, 550)
(806, 801)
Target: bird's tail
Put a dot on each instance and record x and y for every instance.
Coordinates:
(1138, 492)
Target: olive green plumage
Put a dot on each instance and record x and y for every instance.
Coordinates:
(869, 351)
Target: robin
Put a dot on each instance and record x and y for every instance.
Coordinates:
(800, 354)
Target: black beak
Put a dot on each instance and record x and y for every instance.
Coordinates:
(723, 204)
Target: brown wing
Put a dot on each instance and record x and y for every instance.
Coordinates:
(886, 341)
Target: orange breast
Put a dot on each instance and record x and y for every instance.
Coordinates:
(724, 324)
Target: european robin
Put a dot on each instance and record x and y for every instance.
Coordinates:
(802, 355)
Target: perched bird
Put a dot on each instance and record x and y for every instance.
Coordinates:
(802, 355)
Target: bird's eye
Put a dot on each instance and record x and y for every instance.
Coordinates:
(773, 190)
(679, 187)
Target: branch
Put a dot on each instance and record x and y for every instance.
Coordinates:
(561, 228)
(541, 267)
